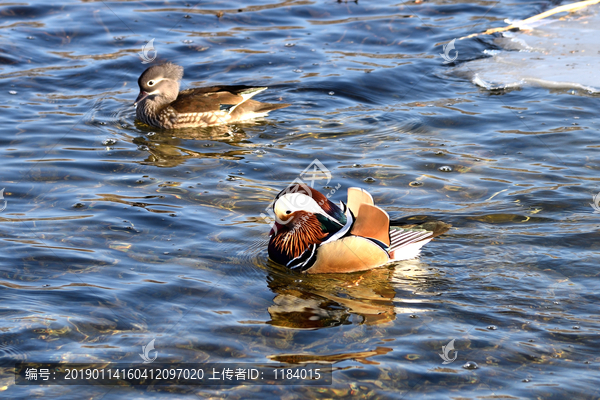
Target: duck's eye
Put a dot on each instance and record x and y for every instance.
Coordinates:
(150, 83)
(288, 212)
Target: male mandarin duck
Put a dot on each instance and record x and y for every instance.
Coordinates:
(313, 235)
(160, 104)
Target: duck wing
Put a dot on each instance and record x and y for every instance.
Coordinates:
(357, 197)
(214, 98)
(349, 254)
(372, 222)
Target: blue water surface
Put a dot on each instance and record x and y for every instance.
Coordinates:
(115, 234)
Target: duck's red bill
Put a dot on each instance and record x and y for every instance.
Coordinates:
(276, 227)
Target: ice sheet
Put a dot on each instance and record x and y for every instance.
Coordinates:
(554, 53)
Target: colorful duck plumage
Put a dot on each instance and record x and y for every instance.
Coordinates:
(314, 235)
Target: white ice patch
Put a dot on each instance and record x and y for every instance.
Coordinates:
(556, 53)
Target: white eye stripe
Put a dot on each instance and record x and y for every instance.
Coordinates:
(153, 82)
(296, 202)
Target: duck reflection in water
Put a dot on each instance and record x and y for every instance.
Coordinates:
(170, 149)
(318, 301)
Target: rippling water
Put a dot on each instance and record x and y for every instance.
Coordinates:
(114, 234)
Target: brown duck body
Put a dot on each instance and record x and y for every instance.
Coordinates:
(161, 105)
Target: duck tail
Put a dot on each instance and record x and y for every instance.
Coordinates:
(253, 109)
(406, 241)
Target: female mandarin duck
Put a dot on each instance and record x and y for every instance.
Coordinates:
(160, 104)
(313, 235)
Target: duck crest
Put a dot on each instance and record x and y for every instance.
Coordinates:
(327, 206)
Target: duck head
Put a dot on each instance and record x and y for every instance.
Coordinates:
(159, 85)
(303, 218)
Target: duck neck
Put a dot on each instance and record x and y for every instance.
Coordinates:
(151, 106)
(303, 231)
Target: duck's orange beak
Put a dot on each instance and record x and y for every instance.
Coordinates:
(140, 97)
